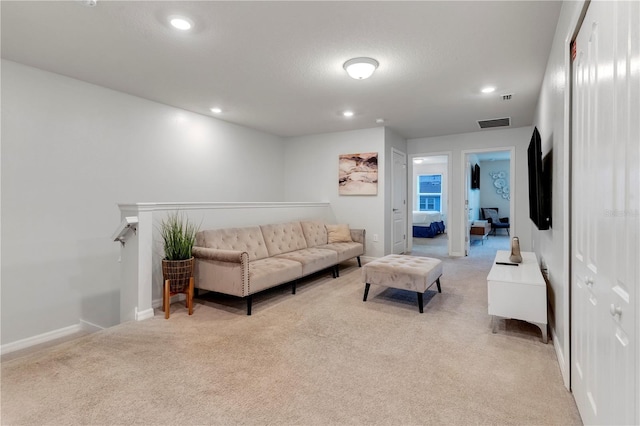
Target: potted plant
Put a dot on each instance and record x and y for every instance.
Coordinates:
(178, 235)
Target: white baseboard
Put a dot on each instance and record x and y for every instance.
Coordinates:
(143, 315)
(561, 360)
(157, 303)
(83, 325)
(41, 338)
(89, 326)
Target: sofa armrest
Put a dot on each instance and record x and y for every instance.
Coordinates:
(234, 256)
(223, 271)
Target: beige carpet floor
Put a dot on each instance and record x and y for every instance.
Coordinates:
(322, 356)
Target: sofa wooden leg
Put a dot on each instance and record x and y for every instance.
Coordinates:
(293, 286)
(366, 291)
(190, 296)
(420, 303)
(438, 284)
(337, 271)
(359, 263)
(249, 305)
(166, 298)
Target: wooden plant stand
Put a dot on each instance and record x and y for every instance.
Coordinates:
(178, 278)
(167, 293)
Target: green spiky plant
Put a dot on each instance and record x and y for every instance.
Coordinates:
(179, 235)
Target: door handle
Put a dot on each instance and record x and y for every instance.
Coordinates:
(615, 310)
(396, 210)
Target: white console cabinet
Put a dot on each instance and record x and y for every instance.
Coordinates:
(518, 292)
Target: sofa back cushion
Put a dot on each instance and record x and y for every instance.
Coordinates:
(315, 233)
(247, 239)
(283, 237)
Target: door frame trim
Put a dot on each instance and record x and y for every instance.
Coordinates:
(412, 188)
(512, 175)
(406, 196)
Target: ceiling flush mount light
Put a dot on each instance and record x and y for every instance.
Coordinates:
(180, 23)
(488, 89)
(216, 110)
(360, 68)
(418, 161)
(348, 113)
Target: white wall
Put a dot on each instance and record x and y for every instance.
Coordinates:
(70, 152)
(488, 195)
(487, 139)
(312, 175)
(552, 121)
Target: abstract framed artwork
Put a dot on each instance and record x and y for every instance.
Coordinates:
(358, 174)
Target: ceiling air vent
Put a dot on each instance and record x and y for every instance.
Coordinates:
(494, 122)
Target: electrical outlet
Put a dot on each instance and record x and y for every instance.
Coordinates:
(375, 238)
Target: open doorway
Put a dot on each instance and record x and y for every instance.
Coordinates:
(430, 193)
(488, 202)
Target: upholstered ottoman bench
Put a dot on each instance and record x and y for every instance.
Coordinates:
(411, 273)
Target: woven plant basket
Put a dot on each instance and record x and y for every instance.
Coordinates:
(178, 273)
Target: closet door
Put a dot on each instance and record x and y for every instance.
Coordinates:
(605, 214)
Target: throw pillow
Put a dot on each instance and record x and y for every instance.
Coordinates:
(338, 234)
(491, 214)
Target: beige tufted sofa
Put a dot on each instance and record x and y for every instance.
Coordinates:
(243, 261)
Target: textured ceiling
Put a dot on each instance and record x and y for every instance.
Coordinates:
(277, 66)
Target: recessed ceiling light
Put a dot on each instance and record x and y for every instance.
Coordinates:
(380, 120)
(418, 161)
(360, 68)
(216, 110)
(488, 89)
(348, 113)
(180, 23)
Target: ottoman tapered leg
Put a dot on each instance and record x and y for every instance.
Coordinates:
(420, 304)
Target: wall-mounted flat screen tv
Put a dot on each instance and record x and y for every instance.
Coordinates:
(539, 184)
(475, 177)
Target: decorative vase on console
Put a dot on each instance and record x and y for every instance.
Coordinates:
(515, 257)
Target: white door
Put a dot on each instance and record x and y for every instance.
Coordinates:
(605, 219)
(399, 202)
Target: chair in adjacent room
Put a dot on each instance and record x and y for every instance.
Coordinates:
(491, 215)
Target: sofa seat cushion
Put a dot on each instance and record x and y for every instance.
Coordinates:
(283, 238)
(312, 259)
(272, 271)
(247, 240)
(345, 251)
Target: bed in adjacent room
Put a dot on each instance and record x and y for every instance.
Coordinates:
(427, 224)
